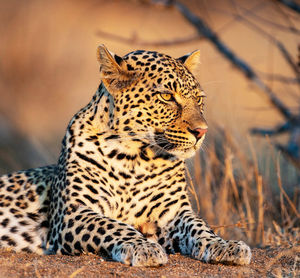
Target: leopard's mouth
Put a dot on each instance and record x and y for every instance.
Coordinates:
(177, 149)
(163, 142)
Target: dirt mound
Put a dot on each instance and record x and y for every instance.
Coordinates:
(270, 262)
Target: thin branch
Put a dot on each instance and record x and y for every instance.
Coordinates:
(139, 42)
(288, 58)
(204, 30)
(249, 12)
(234, 16)
(239, 224)
(291, 29)
(270, 132)
(290, 4)
(284, 14)
(279, 45)
(279, 78)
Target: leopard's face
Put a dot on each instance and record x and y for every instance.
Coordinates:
(158, 100)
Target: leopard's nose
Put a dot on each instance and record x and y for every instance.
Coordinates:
(198, 132)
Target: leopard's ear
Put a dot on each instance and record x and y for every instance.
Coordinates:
(191, 60)
(113, 70)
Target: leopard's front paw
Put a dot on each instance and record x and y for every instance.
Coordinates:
(144, 253)
(228, 252)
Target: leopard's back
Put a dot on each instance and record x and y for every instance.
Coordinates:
(24, 204)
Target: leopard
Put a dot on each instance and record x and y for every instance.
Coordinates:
(119, 188)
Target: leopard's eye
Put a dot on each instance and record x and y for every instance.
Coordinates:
(166, 96)
(200, 100)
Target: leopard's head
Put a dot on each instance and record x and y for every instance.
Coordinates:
(157, 99)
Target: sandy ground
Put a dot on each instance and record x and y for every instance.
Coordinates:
(268, 262)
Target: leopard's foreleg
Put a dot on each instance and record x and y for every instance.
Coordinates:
(190, 235)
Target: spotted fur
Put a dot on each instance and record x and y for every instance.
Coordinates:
(119, 186)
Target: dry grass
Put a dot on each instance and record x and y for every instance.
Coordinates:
(235, 191)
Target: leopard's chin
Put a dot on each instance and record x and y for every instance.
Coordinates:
(184, 154)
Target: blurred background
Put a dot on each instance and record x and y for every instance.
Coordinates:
(249, 166)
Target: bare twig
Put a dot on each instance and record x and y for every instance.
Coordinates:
(279, 45)
(270, 132)
(239, 224)
(250, 13)
(285, 53)
(139, 42)
(284, 14)
(275, 24)
(290, 4)
(288, 57)
(279, 78)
